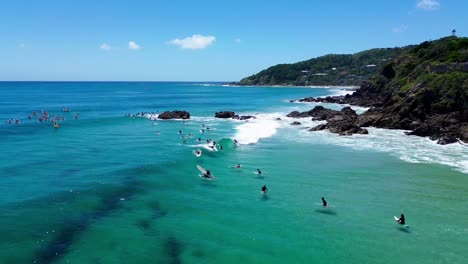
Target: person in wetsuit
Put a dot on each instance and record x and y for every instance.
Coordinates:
(264, 189)
(402, 221)
(207, 174)
(324, 203)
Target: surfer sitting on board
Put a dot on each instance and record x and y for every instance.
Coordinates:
(207, 174)
(264, 189)
(402, 221)
(238, 166)
(259, 172)
(325, 204)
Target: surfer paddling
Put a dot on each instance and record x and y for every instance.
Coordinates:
(264, 189)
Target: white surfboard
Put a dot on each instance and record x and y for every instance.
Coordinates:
(205, 178)
(203, 171)
(397, 220)
(328, 205)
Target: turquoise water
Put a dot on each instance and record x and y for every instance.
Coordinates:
(106, 188)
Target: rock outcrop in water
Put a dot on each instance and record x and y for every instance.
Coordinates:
(409, 94)
(176, 114)
(230, 114)
(343, 122)
(225, 114)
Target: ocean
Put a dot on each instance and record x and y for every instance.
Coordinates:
(107, 187)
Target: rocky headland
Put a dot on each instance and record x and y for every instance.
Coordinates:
(424, 91)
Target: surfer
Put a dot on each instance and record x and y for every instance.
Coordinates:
(199, 140)
(220, 147)
(402, 221)
(324, 203)
(239, 166)
(180, 132)
(259, 172)
(207, 174)
(264, 189)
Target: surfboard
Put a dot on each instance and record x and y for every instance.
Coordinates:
(396, 219)
(328, 205)
(203, 171)
(205, 178)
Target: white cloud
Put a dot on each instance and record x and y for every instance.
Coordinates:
(400, 29)
(105, 47)
(237, 40)
(428, 5)
(194, 42)
(133, 46)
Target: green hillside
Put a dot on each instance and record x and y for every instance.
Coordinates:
(333, 69)
(424, 89)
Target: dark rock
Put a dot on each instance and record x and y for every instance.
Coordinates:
(343, 122)
(464, 134)
(278, 118)
(444, 140)
(307, 100)
(225, 114)
(317, 113)
(246, 117)
(318, 128)
(294, 114)
(296, 123)
(174, 115)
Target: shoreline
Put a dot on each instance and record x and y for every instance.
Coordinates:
(347, 87)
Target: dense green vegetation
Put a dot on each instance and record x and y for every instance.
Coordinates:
(431, 78)
(333, 69)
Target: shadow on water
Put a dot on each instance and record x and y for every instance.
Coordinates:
(264, 197)
(157, 212)
(326, 211)
(404, 229)
(174, 249)
(208, 183)
(57, 247)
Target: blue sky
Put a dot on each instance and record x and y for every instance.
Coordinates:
(203, 40)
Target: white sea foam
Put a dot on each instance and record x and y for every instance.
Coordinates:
(412, 149)
(340, 92)
(305, 106)
(264, 126)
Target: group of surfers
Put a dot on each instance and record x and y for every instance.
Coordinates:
(44, 116)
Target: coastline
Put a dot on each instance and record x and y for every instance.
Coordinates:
(347, 87)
